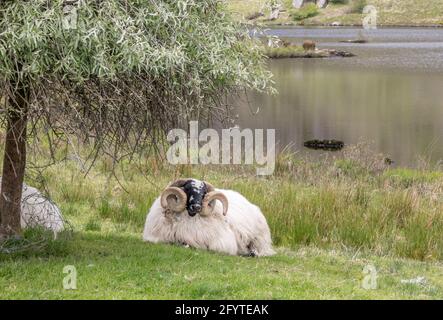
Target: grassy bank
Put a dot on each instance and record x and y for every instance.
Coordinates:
(390, 13)
(329, 218)
(299, 52)
(353, 199)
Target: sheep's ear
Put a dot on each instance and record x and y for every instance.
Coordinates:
(212, 205)
(210, 199)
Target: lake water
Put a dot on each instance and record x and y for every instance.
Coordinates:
(391, 94)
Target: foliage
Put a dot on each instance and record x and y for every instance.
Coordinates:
(112, 40)
(125, 68)
(357, 6)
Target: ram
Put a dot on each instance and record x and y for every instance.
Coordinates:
(193, 213)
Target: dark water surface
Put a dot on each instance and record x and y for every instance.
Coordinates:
(391, 94)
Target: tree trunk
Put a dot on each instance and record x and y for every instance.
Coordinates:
(14, 164)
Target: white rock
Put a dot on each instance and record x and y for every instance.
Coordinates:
(39, 211)
(297, 4)
(418, 280)
(322, 3)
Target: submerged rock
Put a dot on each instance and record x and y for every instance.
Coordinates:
(329, 145)
(339, 53)
(355, 41)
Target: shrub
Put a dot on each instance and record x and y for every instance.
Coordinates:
(357, 6)
(305, 12)
(77, 71)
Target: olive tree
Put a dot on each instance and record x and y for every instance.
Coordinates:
(113, 73)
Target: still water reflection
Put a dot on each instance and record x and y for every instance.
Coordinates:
(391, 94)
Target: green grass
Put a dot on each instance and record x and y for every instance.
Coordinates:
(329, 218)
(118, 265)
(406, 177)
(285, 52)
(308, 11)
(353, 199)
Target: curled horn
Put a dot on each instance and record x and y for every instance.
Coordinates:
(209, 201)
(178, 204)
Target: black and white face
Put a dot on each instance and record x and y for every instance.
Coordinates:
(195, 191)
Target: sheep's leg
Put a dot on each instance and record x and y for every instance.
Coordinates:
(252, 250)
(184, 244)
(258, 248)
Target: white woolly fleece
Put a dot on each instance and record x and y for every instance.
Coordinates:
(243, 231)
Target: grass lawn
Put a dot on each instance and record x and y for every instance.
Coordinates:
(329, 219)
(299, 52)
(120, 266)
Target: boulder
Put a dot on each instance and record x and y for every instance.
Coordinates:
(329, 145)
(39, 211)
